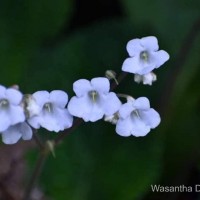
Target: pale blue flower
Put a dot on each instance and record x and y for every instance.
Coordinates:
(11, 112)
(137, 118)
(144, 56)
(93, 99)
(15, 132)
(53, 115)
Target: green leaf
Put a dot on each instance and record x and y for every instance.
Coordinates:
(24, 25)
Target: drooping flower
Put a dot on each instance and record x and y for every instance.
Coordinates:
(93, 99)
(11, 112)
(137, 118)
(144, 56)
(53, 115)
(146, 79)
(15, 132)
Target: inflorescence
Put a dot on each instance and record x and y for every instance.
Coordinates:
(20, 114)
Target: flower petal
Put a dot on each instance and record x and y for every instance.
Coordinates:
(124, 127)
(149, 43)
(34, 122)
(49, 122)
(58, 120)
(134, 47)
(16, 114)
(41, 97)
(151, 117)
(14, 96)
(5, 121)
(149, 78)
(95, 114)
(110, 103)
(80, 106)
(63, 117)
(146, 68)
(161, 57)
(11, 135)
(101, 84)
(126, 110)
(81, 87)
(132, 65)
(59, 98)
(26, 131)
(141, 103)
(139, 127)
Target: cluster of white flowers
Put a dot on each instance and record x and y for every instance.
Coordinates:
(20, 114)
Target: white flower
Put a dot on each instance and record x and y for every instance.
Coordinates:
(147, 79)
(15, 132)
(53, 115)
(10, 111)
(144, 56)
(137, 118)
(93, 99)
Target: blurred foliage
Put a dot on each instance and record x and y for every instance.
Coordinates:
(94, 162)
(171, 19)
(24, 25)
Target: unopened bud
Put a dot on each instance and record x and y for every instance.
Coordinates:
(50, 147)
(110, 74)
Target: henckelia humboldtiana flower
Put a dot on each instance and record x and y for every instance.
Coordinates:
(137, 118)
(53, 115)
(93, 99)
(144, 56)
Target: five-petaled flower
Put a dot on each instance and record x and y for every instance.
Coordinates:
(93, 99)
(53, 115)
(11, 112)
(144, 56)
(137, 118)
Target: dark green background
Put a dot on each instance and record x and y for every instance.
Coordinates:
(47, 44)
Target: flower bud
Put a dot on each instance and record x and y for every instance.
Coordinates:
(110, 74)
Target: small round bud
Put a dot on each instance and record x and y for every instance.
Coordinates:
(49, 147)
(110, 74)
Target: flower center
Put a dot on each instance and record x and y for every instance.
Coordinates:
(144, 55)
(48, 107)
(4, 103)
(135, 113)
(93, 94)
